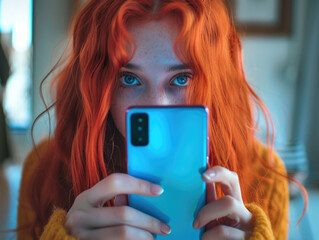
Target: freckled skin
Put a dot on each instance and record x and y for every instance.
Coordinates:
(154, 53)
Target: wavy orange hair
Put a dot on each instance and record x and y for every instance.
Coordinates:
(86, 146)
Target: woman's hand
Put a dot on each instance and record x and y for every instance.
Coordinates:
(88, 219)
(227, 217)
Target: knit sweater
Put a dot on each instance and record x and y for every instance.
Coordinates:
(270, 222)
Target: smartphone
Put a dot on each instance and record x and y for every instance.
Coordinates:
(169, 146)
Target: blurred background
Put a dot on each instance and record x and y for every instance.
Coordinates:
(281, 54)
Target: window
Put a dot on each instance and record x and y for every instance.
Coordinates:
(16, 38)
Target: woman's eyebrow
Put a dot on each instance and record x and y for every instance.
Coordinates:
(132, 66)
(170, 68)
(176, 67)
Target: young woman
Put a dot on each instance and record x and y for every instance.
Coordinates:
(150, 52)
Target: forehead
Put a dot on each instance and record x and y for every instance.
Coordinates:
(167, 26)
(154, 39)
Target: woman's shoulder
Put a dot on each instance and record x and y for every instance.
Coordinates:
(33, 158)
(265, 159)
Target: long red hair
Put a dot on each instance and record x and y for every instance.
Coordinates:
(81, 151)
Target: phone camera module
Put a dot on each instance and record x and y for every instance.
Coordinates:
(139, 129)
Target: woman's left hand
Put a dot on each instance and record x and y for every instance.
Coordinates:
(227, 217)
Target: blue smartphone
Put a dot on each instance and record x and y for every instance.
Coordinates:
(169, 146)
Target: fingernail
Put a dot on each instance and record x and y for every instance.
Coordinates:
(156, 189)
(165, 229)
(196, 223)
(209, 176)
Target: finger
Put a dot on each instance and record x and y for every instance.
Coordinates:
(116, 232)
(117, 184)
(224, 207)
(211, 225)
(115, 216)
(229, 180)
(224, 232)
(210, 192)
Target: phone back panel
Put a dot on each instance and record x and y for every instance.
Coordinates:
(175, 158)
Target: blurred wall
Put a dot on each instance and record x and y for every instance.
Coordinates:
(51, 21)
(284, 72)
(271, 65)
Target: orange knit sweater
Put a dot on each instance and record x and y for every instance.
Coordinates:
(271, 222)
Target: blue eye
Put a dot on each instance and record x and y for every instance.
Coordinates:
(181, 80)
(128, 80)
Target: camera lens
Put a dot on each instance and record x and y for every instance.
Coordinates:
(139, 129)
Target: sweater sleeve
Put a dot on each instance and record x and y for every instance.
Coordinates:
(262, 226)
(272, 222)
(26, 214)
(55, 228)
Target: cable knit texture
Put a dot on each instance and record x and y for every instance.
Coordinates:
(55, 228)
(262, 227)
(270, 220)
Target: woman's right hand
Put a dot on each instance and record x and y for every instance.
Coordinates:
(88, 219)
